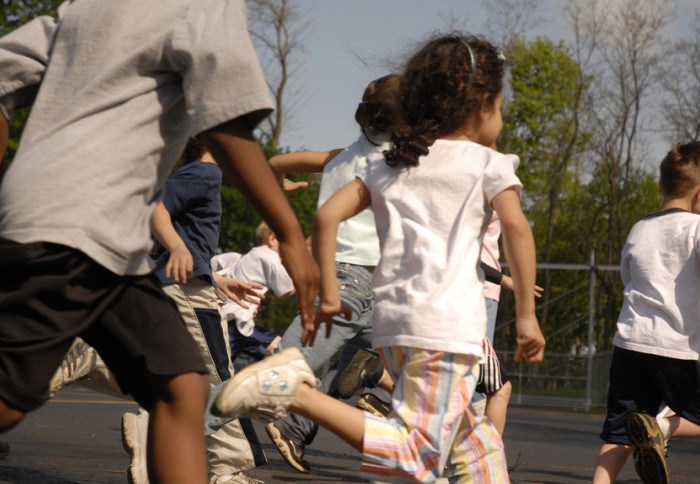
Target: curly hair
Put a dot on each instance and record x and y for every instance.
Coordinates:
(380, 109)
(680, 169)
(440, 89)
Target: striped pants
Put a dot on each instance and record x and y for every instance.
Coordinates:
(432, 427)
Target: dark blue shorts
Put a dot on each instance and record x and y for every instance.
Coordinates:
(639, 382)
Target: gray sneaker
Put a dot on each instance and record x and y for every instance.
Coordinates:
(649, 450)
(134, 441)
(264, 390)
(78, 362)
(364, 370)
(374, 405)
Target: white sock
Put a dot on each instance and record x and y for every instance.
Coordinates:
(665, 427)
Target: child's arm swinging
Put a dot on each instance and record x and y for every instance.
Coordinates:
(299, 162)
(243, 163)
(519, 247)
(180, 262)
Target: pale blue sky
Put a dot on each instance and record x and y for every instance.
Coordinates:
(349, 43)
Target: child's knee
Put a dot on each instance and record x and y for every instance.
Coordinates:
(507, 389)
(9, 417)
(186, 387)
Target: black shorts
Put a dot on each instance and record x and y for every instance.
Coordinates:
(49, 294)
(639, 382)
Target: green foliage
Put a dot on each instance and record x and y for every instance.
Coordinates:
(19, 12)
(568, 207)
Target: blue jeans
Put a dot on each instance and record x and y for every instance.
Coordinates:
(356, 291)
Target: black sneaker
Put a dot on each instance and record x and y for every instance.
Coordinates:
(4, 448)
(649, 451)
(364, 370)
(374, 405)
(292, 453)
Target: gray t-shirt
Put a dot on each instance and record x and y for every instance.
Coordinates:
(125, 84)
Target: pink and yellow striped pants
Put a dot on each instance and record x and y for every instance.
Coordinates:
(432, 425)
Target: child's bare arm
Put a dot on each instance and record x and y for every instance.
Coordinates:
(242, 161)
(346, 202)
(299, 162)
(519, 248)
(180, 262)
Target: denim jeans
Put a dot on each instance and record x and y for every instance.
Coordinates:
(356, 291)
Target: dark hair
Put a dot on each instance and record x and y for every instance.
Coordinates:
(380, 109)
(680, 169)
(440, 89)
(194, 150)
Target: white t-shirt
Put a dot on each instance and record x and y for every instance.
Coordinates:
(431, 220)
(126, 83)
(661, 272)
(357, 241)
(261, 265)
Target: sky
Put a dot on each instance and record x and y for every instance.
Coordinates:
(350, 43)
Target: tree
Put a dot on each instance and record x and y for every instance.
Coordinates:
(621, 44)
(681, 107)
(15, 13)
(276, 27)
(542, 124)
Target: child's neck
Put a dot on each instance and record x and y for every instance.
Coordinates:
(684, 203)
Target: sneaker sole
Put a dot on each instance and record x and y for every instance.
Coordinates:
(130, 444)
(649, 459)
(229, 398)
(284, 449)
(347, 386)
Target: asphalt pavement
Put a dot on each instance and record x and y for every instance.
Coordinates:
(75, 439)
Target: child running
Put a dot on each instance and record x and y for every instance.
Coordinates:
(117, 88)
(262, 266)
(658, 332)
(431, 194)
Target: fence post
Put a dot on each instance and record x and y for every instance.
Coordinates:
(591, 310)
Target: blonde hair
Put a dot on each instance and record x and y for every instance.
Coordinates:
(262, 233)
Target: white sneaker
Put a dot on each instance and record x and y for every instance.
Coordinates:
(239, 478)
(264, 390)
(78, 362)
(134, 440)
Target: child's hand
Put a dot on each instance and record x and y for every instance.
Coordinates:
(325, 312)
(289, 185)
(240, 291)
(507, 282)
(180, 264)
(530, 340)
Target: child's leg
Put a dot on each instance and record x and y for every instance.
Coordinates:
(9, 417)
(175, 430)
(345, 421)
(611, 459)
(429, 402)
(497, 406)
